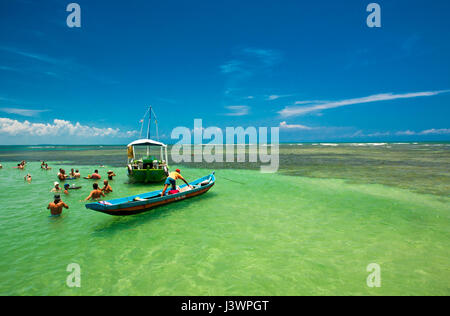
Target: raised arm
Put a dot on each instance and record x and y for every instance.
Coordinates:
(89, 197)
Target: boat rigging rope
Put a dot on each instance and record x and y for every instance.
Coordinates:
(232, 180)
(143, 121)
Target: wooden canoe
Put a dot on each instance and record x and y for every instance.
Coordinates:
(144, 202)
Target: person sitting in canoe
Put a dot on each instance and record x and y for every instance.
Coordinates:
(56, 206)
(107, 188)
(172, 181)
(95, 194)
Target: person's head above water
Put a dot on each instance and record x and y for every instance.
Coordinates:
(95, 171)
(95, 186)
(56, 184)
(66, 186)
(57, 198)
(105, 182)
(178, 170)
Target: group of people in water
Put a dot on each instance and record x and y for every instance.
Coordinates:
(56, 207)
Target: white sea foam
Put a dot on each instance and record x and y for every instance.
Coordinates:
(329, 144)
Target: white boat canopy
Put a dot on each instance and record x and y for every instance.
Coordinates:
(146, 142)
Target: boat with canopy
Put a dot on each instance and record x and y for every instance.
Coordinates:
(144, 202)
(150, 167)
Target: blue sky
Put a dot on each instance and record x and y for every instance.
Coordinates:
(313, 68)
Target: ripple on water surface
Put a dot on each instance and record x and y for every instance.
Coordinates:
(255, 235)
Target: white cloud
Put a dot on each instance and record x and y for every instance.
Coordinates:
(267, 56)
(275, 96)
(406, 133)
(284, 125)
(249, 60)
(231, 66)
(433, 131)
(238, 110)
(22, 112)
(57, 128)
(302, 110)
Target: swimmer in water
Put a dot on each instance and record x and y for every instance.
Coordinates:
(66, 188)
(107, 188)
(57, 206)
(95, 194)
(56, 189)
(77, 174)
(96, 175)
(28, 178)
(62, 175)
(111, 174)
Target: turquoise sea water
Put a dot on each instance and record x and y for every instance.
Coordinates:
(252, 234)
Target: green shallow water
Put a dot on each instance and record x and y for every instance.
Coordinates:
(256, 235)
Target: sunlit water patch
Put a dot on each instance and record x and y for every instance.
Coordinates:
(252, 234)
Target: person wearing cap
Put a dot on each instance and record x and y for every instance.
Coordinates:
(66, 188)
(172, 181)
(56, 188)
(111, 174)
(57, 206)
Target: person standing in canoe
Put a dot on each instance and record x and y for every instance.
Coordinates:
(172, 181)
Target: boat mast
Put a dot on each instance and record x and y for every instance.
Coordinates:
(148, 129)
